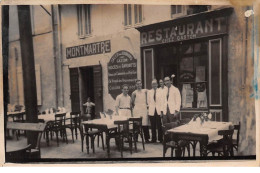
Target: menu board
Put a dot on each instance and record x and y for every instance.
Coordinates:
(122, 69)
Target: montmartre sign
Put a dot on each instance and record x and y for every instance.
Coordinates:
(174, 32)
(122, 69)
(88, 49)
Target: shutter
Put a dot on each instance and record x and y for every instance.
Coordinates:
(74, 90)
(98, 89)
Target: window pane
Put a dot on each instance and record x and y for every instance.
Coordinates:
(136, 13)
(179, 8)
(140, 14)
(215, 71)
(148, 68)
(125, 14)
(87, 18)
(173, 9)
(129, 14)
(80, 20)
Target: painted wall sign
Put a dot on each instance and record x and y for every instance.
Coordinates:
(122, 69)
(88, 49)
(183, 31)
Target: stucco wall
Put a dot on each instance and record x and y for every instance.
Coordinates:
(43, 55)
(240, 76)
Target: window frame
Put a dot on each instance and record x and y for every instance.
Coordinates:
(131, 21)
(84, 20)
(183, 12)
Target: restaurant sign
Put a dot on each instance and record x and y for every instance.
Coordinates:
(122, 69)
(173, 32)
(88, 49)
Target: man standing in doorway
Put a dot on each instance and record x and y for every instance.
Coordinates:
(123, 103)
(139, 102)
(171, 103)
(154, 111)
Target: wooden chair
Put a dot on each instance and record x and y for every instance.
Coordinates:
(185, 121)
(123, 132)
(20, 119)
(35, 151)
(136, 124)
(223, 147)
(59, 126)
(73, 123)
(18, 155)
(235, 142)
(169, 142)
(88, 132)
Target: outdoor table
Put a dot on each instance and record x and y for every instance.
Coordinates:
(15, 114)
(107, 125)
(204, 134)
(51, 117)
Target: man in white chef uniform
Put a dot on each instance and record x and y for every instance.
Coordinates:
(123, 103)
(154, 111)
(171, 103)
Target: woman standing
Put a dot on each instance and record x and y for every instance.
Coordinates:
(139, 102)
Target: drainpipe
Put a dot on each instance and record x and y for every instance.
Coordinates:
(57, 56)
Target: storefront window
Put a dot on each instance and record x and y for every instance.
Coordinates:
(193, 75)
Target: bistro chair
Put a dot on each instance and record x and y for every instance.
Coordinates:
(87, 132)
(123, 132)
(184, 121)
(169, 142)
(20, 119)
(235, 142)
(136, 124)
(73, 123)
(59, 126)
(18, 155)
(223, 147)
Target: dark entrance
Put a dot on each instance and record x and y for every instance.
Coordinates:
(86, 82)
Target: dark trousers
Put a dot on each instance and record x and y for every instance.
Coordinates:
(168, 118)
(146, 133)
(156, 125)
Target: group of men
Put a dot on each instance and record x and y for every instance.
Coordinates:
(159, 105)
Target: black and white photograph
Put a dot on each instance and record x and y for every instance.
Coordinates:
(130, 82)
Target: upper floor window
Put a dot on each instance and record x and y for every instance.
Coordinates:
(177, 10)
(84, 20)
(133, 14)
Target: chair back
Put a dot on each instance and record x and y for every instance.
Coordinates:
(185, 121)
(122, 126)
(169, 126)
(136, 124)
(75, 118)
(60, 119)
(226, 140)
(237, 128)
(18, 155)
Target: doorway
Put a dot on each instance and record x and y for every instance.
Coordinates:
(86, 82)
(87, 87)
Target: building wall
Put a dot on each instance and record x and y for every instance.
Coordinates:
(240, 76)
(43, 55)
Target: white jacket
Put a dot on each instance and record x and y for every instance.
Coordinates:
(174, 100)
(152, 104)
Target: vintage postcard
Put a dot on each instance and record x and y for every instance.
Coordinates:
(165, 82)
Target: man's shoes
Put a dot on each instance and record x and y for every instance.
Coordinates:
(153, 141)
(147, 141)
(161, 141)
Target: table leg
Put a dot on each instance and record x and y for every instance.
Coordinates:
(108, 143)
(203, 148)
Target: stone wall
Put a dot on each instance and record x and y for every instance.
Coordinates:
(240, 76)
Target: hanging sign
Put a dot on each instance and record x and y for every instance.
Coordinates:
(122, 69)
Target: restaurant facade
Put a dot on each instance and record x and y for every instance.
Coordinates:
(98, 48)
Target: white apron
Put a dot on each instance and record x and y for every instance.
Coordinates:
(140, 109)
